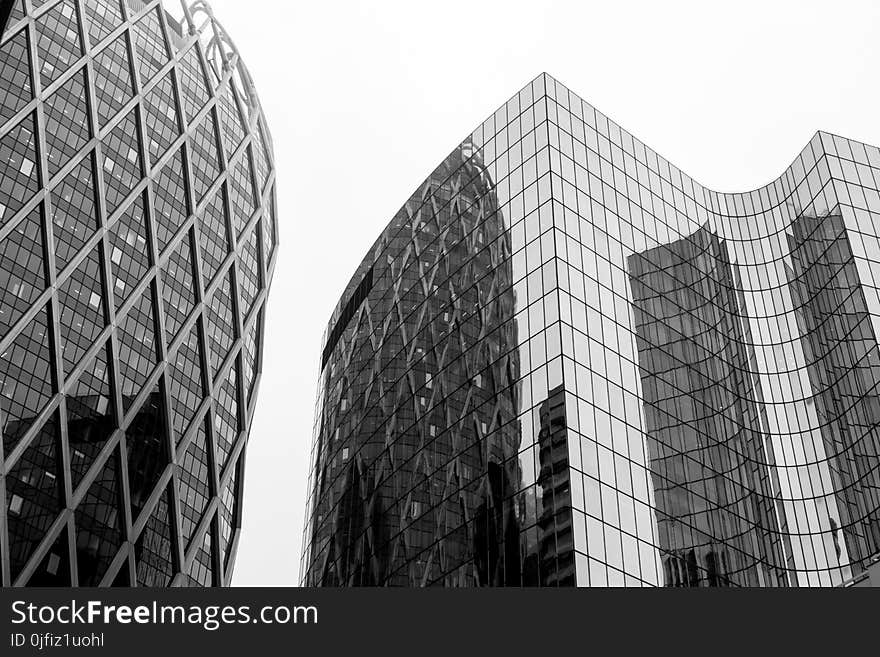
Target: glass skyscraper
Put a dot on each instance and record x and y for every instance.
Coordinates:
(565, 362)
(137, 242)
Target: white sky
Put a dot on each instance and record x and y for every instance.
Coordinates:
(364, 99)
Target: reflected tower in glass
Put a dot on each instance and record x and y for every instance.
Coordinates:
(137, 242)
(565, 362)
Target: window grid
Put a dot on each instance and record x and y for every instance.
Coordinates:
(57, 338)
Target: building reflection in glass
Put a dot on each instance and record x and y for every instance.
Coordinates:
(417, 476)
(555, 536)
(36, 498)
(840, 345)
(716, 514)
(567, 362)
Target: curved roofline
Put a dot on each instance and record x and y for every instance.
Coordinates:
(743, 192)
(723, 199)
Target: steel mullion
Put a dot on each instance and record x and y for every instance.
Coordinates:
(54, 309)
(116, 445)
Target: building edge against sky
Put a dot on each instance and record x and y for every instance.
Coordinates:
(137, 242)
(564, 362)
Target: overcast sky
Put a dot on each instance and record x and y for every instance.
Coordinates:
(364, 99)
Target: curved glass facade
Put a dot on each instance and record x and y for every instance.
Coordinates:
(137, 241)
(565, 362)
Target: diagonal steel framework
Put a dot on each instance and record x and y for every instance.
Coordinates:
(162, 537)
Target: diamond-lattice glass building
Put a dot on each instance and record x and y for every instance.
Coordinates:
(137, 241)
(565, 362)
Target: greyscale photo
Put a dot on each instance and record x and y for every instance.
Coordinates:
(253, 335)
(138, 238)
